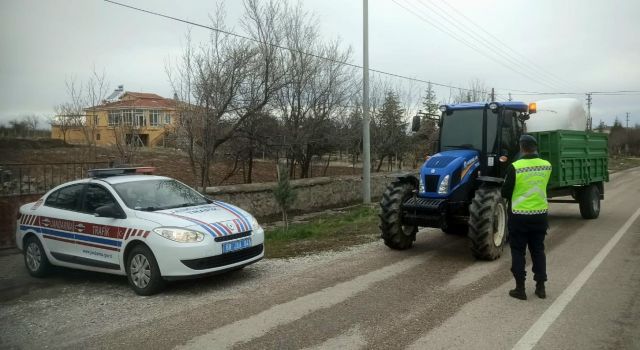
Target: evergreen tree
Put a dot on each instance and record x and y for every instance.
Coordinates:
(389, 126)
(284, 194)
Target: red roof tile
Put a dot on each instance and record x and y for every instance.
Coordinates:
(142, 95)
(139, 100)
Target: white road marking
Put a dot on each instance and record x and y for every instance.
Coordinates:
(278, 315)
(352, 339)
(535, 333)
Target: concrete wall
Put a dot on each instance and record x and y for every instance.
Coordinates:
(312, 194)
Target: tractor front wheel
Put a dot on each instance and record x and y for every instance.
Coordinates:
(394, 233)
(487, 224)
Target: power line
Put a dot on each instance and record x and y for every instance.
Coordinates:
(507, 90)
(448, 32)
(460, 25)
(531, 62)
(281, 47)
(296, 50)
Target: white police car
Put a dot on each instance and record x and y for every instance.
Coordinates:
(150, 228)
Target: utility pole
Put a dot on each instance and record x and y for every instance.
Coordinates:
(627, 121)
(493, 94)
(589, 126)
(626, 146)
(366, 156)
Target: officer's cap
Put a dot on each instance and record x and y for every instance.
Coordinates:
(528, 139)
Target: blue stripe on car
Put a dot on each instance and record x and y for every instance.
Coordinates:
(74, 236)
(243, 219)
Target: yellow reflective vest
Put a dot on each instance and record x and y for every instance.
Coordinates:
(530, 190)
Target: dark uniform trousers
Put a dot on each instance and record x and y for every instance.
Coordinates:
(528, 231)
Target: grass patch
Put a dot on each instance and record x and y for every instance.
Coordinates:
(331, 231)
(619, 163)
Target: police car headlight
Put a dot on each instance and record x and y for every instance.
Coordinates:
(444, 185)
(179, 235)
(255, 226)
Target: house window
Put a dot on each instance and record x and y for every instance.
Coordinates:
(140, 120)
(114, 118)
(154, 117)
(127, 117)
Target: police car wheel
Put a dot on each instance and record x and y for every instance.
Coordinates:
(143, 272)
(35, 258)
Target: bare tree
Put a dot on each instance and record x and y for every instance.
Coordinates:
(223, 83)
(80, 109)
(317, 92)
(32, 122)
(66, 118)
(477, 92)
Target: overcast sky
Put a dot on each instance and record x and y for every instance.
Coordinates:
(584, 45)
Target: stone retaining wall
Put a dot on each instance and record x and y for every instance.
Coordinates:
(312, 194)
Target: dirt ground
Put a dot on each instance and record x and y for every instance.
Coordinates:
(169, 162)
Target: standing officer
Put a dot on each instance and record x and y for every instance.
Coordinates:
(525, 186)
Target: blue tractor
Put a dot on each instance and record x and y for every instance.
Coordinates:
(458, 189)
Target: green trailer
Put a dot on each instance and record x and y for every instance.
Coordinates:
(580, 162)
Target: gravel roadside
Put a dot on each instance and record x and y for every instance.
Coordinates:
(72, 305)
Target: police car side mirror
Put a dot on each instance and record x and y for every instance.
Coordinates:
(109, 211)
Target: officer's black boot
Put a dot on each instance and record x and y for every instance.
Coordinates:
(519, 292)
(540, 291)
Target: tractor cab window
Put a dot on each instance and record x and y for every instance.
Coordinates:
(508, 133)
(462, 129)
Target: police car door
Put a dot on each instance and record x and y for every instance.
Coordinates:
(99, 238)
(55, 221)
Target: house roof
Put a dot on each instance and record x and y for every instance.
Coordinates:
(138, 100)
(142, 95)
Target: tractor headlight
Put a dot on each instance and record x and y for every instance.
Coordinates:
(444, 185)
(421, 187)
(179, 235)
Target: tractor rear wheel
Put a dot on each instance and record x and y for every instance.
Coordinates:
(487, 224)
(394, 233)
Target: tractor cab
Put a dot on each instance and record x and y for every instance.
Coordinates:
(489, 130)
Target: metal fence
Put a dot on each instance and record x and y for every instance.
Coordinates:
(26, 178)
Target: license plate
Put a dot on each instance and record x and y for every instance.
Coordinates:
(236, 245)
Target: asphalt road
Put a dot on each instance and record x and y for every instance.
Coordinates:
(434, 296)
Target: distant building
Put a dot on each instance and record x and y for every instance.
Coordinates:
(142, 118)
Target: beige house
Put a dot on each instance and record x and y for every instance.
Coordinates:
(142, 118)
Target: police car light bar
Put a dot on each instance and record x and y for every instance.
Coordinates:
(145, 170)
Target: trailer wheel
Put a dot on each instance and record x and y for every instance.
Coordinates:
(487, 224)
(589, 200)
(394, 233)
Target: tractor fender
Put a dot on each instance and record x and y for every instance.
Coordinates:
(490, 181)
(407, 178)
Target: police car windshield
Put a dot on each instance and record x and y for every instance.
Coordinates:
(150, 195)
